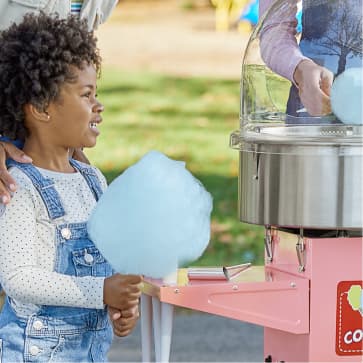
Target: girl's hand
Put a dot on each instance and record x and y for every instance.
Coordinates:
(7, 183)
(124, 321)
(314, 83)
(122, 292)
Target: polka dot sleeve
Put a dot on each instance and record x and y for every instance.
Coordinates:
(20, 273)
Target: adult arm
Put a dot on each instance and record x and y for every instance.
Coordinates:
(281, 53)
(94, 11)
(279, 48)
(97, 12)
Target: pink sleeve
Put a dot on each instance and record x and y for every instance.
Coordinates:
(279, 48)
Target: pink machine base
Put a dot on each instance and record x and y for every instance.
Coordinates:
(300, 297)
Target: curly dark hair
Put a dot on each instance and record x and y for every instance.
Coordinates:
(36, 56)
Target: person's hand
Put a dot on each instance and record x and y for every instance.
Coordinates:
(7, 183)
(79, 155)
(122, 292)
(123, 322)
(314, 83)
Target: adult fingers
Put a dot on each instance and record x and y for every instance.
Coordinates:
(7, 183)
(314, 84)
(4, 193)
(326, 81)
(14, 153)
(79, 155)
(316, 102)
(325, 104)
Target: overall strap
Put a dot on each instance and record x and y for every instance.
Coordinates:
(44, 186)
(90, 176)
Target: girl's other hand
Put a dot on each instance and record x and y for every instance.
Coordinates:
(314, 83)
(124, 321)
(7, 183)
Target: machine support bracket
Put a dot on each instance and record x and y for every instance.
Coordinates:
(268, 244)
(301, 253)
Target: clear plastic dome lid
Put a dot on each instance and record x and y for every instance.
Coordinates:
(302, 74)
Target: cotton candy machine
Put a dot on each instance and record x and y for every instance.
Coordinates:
(297, 170)
(300, 176)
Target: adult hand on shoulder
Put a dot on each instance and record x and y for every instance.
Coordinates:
(7, 183)
(123, 322)
(314, 83)
(122, 292)
(79, 155)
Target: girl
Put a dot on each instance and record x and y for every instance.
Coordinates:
(56, 281)
(94, 12)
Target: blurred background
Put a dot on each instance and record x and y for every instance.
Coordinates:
(170, 82)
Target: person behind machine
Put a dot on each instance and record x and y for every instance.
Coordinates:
(331, 41)
(57, 283)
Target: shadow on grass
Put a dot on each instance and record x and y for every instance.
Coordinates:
(232, 242)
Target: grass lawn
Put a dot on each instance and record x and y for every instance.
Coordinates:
(188, 119)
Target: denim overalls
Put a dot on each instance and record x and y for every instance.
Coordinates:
(55, 333)
(331, 37)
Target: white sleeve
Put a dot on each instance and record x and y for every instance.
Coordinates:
(97, 11)
(21, 276)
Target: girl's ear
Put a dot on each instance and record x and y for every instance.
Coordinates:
(32, 112)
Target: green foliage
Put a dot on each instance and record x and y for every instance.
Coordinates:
(195, 4)
(188, 119)
(188, 5)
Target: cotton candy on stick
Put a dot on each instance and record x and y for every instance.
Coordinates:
(346, 96)
(152, 218)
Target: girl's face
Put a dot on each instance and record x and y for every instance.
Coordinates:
(74, 117)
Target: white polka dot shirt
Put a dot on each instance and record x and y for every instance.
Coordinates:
(28, 247)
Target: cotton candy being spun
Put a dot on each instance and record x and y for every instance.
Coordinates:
(152, 218)
(346, 96)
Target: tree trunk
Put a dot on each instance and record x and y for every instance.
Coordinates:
(342, 61)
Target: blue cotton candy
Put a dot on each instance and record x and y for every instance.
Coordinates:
(152, 218)
(346, 96)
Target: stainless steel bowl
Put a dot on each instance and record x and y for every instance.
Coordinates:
(301, 176)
